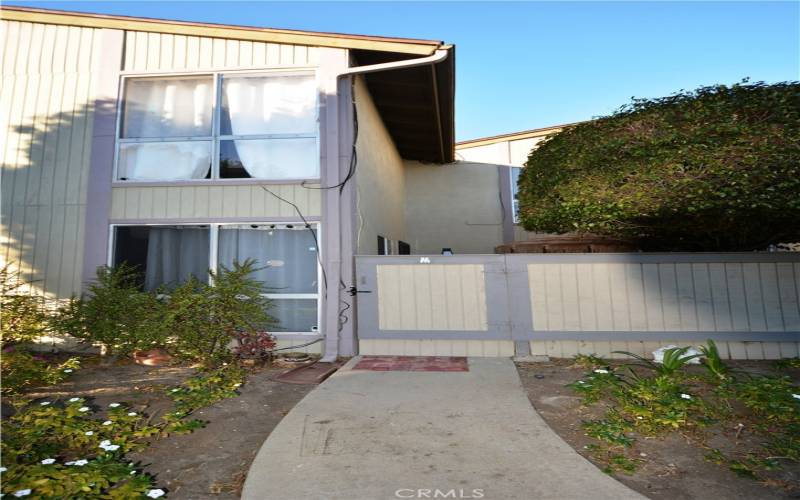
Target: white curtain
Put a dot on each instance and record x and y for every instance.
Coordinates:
(272, 105)
(164, 108)
(174, 254)
(165, 160)
(167, 108)
(289, 256)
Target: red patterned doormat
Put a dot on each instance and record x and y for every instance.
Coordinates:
(413, 364)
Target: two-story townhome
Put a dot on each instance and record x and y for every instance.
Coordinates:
(179, 147)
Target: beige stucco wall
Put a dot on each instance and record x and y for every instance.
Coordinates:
(380, 179)
(513, 152)
(502, 154)
(46, 119)
(456, 206)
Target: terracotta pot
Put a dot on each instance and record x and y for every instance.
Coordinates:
(153, 357)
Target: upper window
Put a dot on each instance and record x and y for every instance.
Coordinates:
(265, 127)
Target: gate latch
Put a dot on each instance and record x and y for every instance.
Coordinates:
(353, 291)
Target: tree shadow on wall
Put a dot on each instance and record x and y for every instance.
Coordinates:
(45, 174)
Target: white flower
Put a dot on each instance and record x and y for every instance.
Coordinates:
(48, 461)
(68, 370)
(132, 414)
(79, 463)
(686, 396)
(581, 382)
(237, 385)
(106, 445)
(796, 396)
(155, 493)
(3, 469)
(89, 433)
(69, 463)
(44, 403)
(108, 422)
(113, 405)
(83, 408)
(72, 400)
(22, 493)
(175, 390)
(639, 418)
(601, 370)
(133, 472)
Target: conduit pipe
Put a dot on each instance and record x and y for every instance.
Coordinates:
(334, 257)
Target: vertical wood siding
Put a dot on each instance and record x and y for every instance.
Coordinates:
(430, 347)
(605, 349)
(432, 297)
(166, 52)
(690, 297)
(214, 201)
(46, 119)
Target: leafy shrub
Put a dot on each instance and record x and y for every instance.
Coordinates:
(713, 169)
(63, 452)
(114, 312)
(253, 345)
(195, 321)
(200, 391)
(22, 315)
(22, 370)
(24, 319)
(203, 319)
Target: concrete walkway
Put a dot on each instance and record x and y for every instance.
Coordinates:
(387, 435)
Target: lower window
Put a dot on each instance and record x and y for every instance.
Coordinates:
(286, 255)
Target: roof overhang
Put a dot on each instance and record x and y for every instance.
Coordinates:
(416, 104)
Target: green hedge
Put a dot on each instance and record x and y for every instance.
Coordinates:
(716, 169)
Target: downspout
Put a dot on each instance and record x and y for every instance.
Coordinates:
(335, 254)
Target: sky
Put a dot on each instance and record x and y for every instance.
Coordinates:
(526, 65)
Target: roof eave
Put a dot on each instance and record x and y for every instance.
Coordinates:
(309, 38)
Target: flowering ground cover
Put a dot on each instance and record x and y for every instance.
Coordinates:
(718, 430)
(120, 430)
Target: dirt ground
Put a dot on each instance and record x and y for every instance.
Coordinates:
(672, 469)
(211, 462)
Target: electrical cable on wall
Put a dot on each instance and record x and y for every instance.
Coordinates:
(353, 155)
(344, 304)
(307, 226)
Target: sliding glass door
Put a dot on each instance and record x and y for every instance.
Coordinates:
(285, 255)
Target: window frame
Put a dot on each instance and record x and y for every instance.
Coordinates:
(215, 138)
(213, 257)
